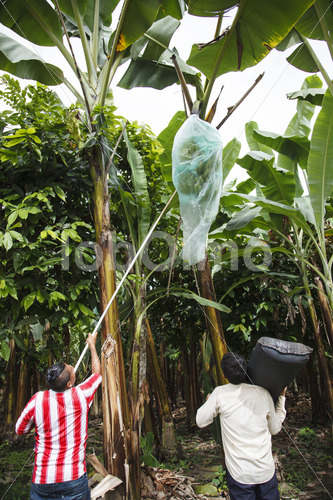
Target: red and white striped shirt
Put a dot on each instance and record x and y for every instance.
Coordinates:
(61, 420)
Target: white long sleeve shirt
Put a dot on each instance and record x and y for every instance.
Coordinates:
(248, 419)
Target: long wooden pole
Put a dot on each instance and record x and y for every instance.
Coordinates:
(124, 277)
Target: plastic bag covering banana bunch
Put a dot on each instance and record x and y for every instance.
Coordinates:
(197, 176)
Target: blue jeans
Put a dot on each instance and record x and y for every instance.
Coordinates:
(68, 490)
(263, 491)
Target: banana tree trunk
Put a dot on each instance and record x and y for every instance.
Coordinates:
(21, 391)
(168, 372)
(67, 340)
(213, 318)
(168, 444)
(139, 381)
(115, 408)
(188, 388)
(325, 311)
(196, 396)
(322, 361)
(317, 404)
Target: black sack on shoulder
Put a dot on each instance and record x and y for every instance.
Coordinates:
(275, 363)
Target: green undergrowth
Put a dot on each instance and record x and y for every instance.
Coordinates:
(16, 464)
(303, 451)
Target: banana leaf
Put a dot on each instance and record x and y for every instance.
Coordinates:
(140, 184)
(260, 27)
(21, 17)
(320, 164)
(277, 184)
(291, 146)
(23, 63)
(140, 15)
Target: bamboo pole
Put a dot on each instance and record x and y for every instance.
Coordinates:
(124, 277)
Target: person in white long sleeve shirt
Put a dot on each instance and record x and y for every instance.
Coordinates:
(248, 419)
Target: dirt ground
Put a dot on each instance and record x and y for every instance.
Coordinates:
(303, 454)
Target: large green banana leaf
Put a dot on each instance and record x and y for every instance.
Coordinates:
(267, 209)
(261, 26)
(24, 17)
(310, 25)
(304, 204)
(320, 163)
(155, 68)
(156, 39)
(302, 59)
(209, 8)
(22, 62)
(291, 146)
(174, 8)
(140, 15)
(313, 96)
(254, 145)
(86, 9)
(243, 218)
(38, 22)
(155, 74)
(277, 184)
(139, 179)
(166, 138)
(246, 186)
(300, 124)
(230, 155)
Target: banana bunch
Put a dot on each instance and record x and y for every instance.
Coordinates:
(197, 171)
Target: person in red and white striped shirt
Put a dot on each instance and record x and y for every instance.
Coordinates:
(60, 416)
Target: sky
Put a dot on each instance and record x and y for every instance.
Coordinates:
(267, 104)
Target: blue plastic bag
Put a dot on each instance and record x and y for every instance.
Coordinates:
(197, 176)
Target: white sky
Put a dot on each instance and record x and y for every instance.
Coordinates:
(267, 104)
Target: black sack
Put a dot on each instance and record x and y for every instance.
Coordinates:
(275, 363)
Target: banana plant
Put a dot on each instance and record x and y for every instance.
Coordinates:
(307, 164)
(316, 24)
(58, 24)
(255, 30)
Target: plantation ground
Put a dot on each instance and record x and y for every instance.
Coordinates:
(303, 454)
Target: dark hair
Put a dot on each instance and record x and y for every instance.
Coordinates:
(234, 368)
(57, 377)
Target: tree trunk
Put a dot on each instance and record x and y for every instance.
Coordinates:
(21, 391)
(67, 340)
(325, 311)
(139, 382)
(196, 397)
(115, 408)
(317, 406)
(9, 395)
(322, 361)
(213, 318)
(168, 443)
(188, 389)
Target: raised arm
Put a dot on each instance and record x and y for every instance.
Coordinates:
(95, 362)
